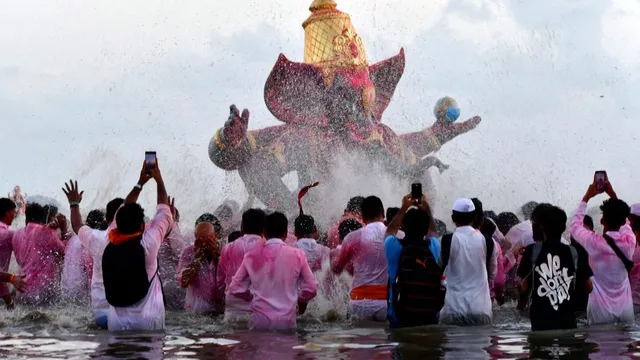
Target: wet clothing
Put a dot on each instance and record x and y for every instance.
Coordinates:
(6, 236)
(316, 254)
(95, 241)
(75, 278)
(201, 294)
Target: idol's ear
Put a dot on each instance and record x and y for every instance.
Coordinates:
(295, 93)
(385, 76)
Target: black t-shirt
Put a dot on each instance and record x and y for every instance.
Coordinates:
(582, 296)
(551, 285)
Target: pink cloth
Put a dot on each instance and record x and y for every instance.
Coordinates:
(333, 236)
(291, 239)
(634, 277)
(316, 254)
(39, 253)
(611, 300)
(230, 260)
(365, 249)
(75, 279)
(274, 277)
(517, 238)
(201, 295)
(5, 255)
(498, 283)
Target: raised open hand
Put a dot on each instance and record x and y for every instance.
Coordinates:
(71, 191)
(235, 128)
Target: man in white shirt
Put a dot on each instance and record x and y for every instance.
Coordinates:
(468, 300)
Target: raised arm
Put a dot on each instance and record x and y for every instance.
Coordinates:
(75, 198)
(396, 222)
(145, 175)
(346, 253)
(163, 198)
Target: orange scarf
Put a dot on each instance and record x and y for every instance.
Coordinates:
(116, 238)
(369, 292)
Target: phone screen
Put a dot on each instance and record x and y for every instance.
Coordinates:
(150, 159)
(416, 191)
(600, 179)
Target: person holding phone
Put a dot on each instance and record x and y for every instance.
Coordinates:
(609, 254)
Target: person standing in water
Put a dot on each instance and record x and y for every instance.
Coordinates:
(364, 248)
(275, 278)
(307, 235)
(130, 261)
(7, 215)
(352, 211)
(634, 275)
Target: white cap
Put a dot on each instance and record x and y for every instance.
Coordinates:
(464, 206)
(635, 209)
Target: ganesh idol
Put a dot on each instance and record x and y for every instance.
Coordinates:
(330, 104)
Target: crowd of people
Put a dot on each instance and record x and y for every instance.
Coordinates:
(259, 266)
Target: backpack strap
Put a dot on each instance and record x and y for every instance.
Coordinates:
(445, 250)
(628, 264)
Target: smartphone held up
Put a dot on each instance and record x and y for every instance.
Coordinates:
(600, 180)
(416, 192)
(150, 160)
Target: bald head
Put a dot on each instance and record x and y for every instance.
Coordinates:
(205, 230)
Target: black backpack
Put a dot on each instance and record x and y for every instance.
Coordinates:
(445, 250)
(417, 293)
(124, 273)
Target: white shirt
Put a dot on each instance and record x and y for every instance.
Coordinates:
(96, 241)
(148, 314)
(466, 272)
(75, 282)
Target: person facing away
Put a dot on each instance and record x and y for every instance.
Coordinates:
(580, 297)
(40, 253)
(274, 278)
(130, 261)
(634, 275)
(364, 248)
(549, 269)
(197, 272)
(467, 300)
(415, 291)
(253, 223)
(169, 254)
(7, 215)
(352, 211)
(307, 235)
(609, 255)
(487, 228)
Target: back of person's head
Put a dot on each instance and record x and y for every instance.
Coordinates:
(34, 213)
(112, 208)
(276, 226)
(235, 235)
(506, 221)
(614, 214)
(479, 218)
(634, 217)
(348, 226)
(488, 227)
(416, 223)
(536, 224)
(441, 228)
(50, 212)
(253, 222)
(96, 220)
(130, 219)
(527, 209)
(553, 222)
(463, 212)
(491, 215)
(211, 219)
(6, 206)
(372, 209)
(588, 222)
(391, 213)
(355, 205)
(304, 225)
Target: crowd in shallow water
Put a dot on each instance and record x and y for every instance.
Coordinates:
(261, 267)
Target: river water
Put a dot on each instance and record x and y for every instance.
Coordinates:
(68, 332)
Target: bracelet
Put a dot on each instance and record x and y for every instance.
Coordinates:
(138, 186)
(11, 278)
(74, 203)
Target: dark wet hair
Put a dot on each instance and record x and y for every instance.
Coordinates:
(491, 215)
(488, 228)
(391, 213)
(441, 228)
(234, 236)
(479, 218)
(34, 213)
(211, 219)
(96, 220)
(506, 221)
(50, 212)
(588, 222)
(372, 208)
(276, 226)
(6, 205)
(355, 204)
(304, 225)
(463, 219)
(348, 226)
(615, 213)
(253, 221)
(416, 223)
(130, 219)
(527, 209)
(552, 220)
(112, 208)
(323, 239)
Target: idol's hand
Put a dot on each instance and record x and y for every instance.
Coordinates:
(235, 128)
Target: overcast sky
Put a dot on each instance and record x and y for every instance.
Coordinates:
(86, 87)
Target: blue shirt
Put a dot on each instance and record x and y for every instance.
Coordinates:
(392, 251)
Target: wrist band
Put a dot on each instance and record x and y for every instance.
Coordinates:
(138, 186)
(13, 276)
(74, 203)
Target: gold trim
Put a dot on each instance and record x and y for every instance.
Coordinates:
(324, 17)
(252, 142)
(219, 143)
(433, 140)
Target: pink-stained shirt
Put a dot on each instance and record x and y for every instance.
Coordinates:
(40, 255)
(316, 254)
(364, 248)
(498, 283)
(95, 241)
(274, 277)
(291, 239)
(611, 300)
(333, 236)
(75, 279)
(5, 255)
(634, 277)
(518, 237)
(230, 260)
(201, 294)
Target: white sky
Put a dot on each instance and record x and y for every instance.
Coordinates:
(87, 86)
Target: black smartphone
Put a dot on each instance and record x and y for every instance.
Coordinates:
(150, 159)
(600, 179)
(416, 191)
